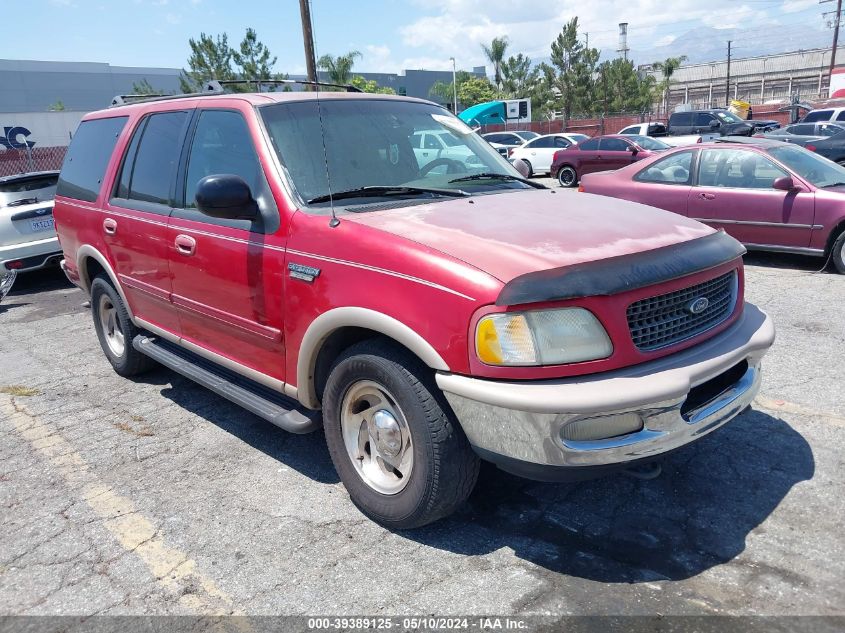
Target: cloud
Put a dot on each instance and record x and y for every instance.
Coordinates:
(69, 4)
(173, 18)
(459, 27)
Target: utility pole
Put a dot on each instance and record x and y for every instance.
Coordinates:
(308, 38)
(835, 43)
(454, 87)
(587, 40)
(728, 78)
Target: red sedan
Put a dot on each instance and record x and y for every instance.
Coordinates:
(601, 153)
(767, 194)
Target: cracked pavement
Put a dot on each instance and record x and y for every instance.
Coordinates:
(155, 496)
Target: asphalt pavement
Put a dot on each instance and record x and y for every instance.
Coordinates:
(155, 496)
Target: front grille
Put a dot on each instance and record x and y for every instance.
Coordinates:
(667, 319)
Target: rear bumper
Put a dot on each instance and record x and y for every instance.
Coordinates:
(674, 400)
(33, 255)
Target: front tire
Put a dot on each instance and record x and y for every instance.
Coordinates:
(393, 439)
(838, 254)
(116, 330)
(530, 168)
(567, 176)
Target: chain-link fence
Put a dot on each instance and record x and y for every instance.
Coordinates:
(17, 161)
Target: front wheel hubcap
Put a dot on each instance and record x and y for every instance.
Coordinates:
(376, 437)
(567, 176)
(110, 324)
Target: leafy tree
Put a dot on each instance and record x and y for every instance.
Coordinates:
(575, 67)
(518, 77)
(476, 90)
(620, 89)
(370, 85)
(56, 107)
(495, 52)
(339, 68)
(446, 90)
(253, 59)
(211, 58)
(667, 67)
(144, 87)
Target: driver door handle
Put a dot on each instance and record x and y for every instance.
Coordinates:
(186, 245)
(707, 196)
(109, 226)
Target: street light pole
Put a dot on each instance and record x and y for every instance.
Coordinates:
(454, 87)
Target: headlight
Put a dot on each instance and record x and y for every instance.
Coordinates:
(541, 337)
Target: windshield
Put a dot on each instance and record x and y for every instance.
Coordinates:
(379, 143)
(646, 142)
(813, 168)
(728, 117)
(577, 138)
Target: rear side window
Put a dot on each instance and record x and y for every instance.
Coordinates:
(841, 116)
(681, 118)
(675, 169)
(631, 129)
(613, 145)
(151, 159)
(593, 143)
(87, 158)
(817, 115)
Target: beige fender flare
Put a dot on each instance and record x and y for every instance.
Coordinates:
(323, 326)
(84, 252)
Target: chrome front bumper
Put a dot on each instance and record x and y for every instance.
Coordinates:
(522, 422)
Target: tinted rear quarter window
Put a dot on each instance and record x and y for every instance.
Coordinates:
(87, 157)
(613, 145)
(818, 115)
(681, 118)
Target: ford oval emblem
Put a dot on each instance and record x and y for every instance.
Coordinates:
(697, 306)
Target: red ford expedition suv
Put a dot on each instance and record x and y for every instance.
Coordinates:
(293, 253)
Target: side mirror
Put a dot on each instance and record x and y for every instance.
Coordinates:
(522, 167)
(784, 183)
(633, 149)
(226, 196)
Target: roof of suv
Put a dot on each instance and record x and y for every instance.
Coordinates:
(254, 98)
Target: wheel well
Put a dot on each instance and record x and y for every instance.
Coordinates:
(834, 235)
(335, 344)
(92, 269)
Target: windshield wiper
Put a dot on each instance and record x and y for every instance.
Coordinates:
(489, 175)
(834, 184)
(22, 201)
(388, 190)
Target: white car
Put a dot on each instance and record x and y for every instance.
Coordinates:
(505, 142)
(824, 114)
(540, 152)
(431, 145)
(27, 234)
(657, 129)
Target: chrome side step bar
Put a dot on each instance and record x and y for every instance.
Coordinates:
(270, 405)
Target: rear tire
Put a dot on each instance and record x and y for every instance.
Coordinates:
(393, 439)
(837, 253)
(116, 330)
(567, 176)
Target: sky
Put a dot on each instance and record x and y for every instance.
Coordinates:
(392, 35)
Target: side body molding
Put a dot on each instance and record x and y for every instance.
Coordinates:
(321, 327)
(84, 252)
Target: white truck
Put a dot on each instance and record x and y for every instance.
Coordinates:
(657, 129)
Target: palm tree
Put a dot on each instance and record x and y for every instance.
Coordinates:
(496, 54)
(668, 67)
(339, 68)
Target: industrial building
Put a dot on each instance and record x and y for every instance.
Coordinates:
(753, 79)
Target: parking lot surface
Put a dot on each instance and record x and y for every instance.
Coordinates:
(155, 496)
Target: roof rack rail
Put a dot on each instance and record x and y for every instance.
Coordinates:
(216, 85)
(120, 100)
